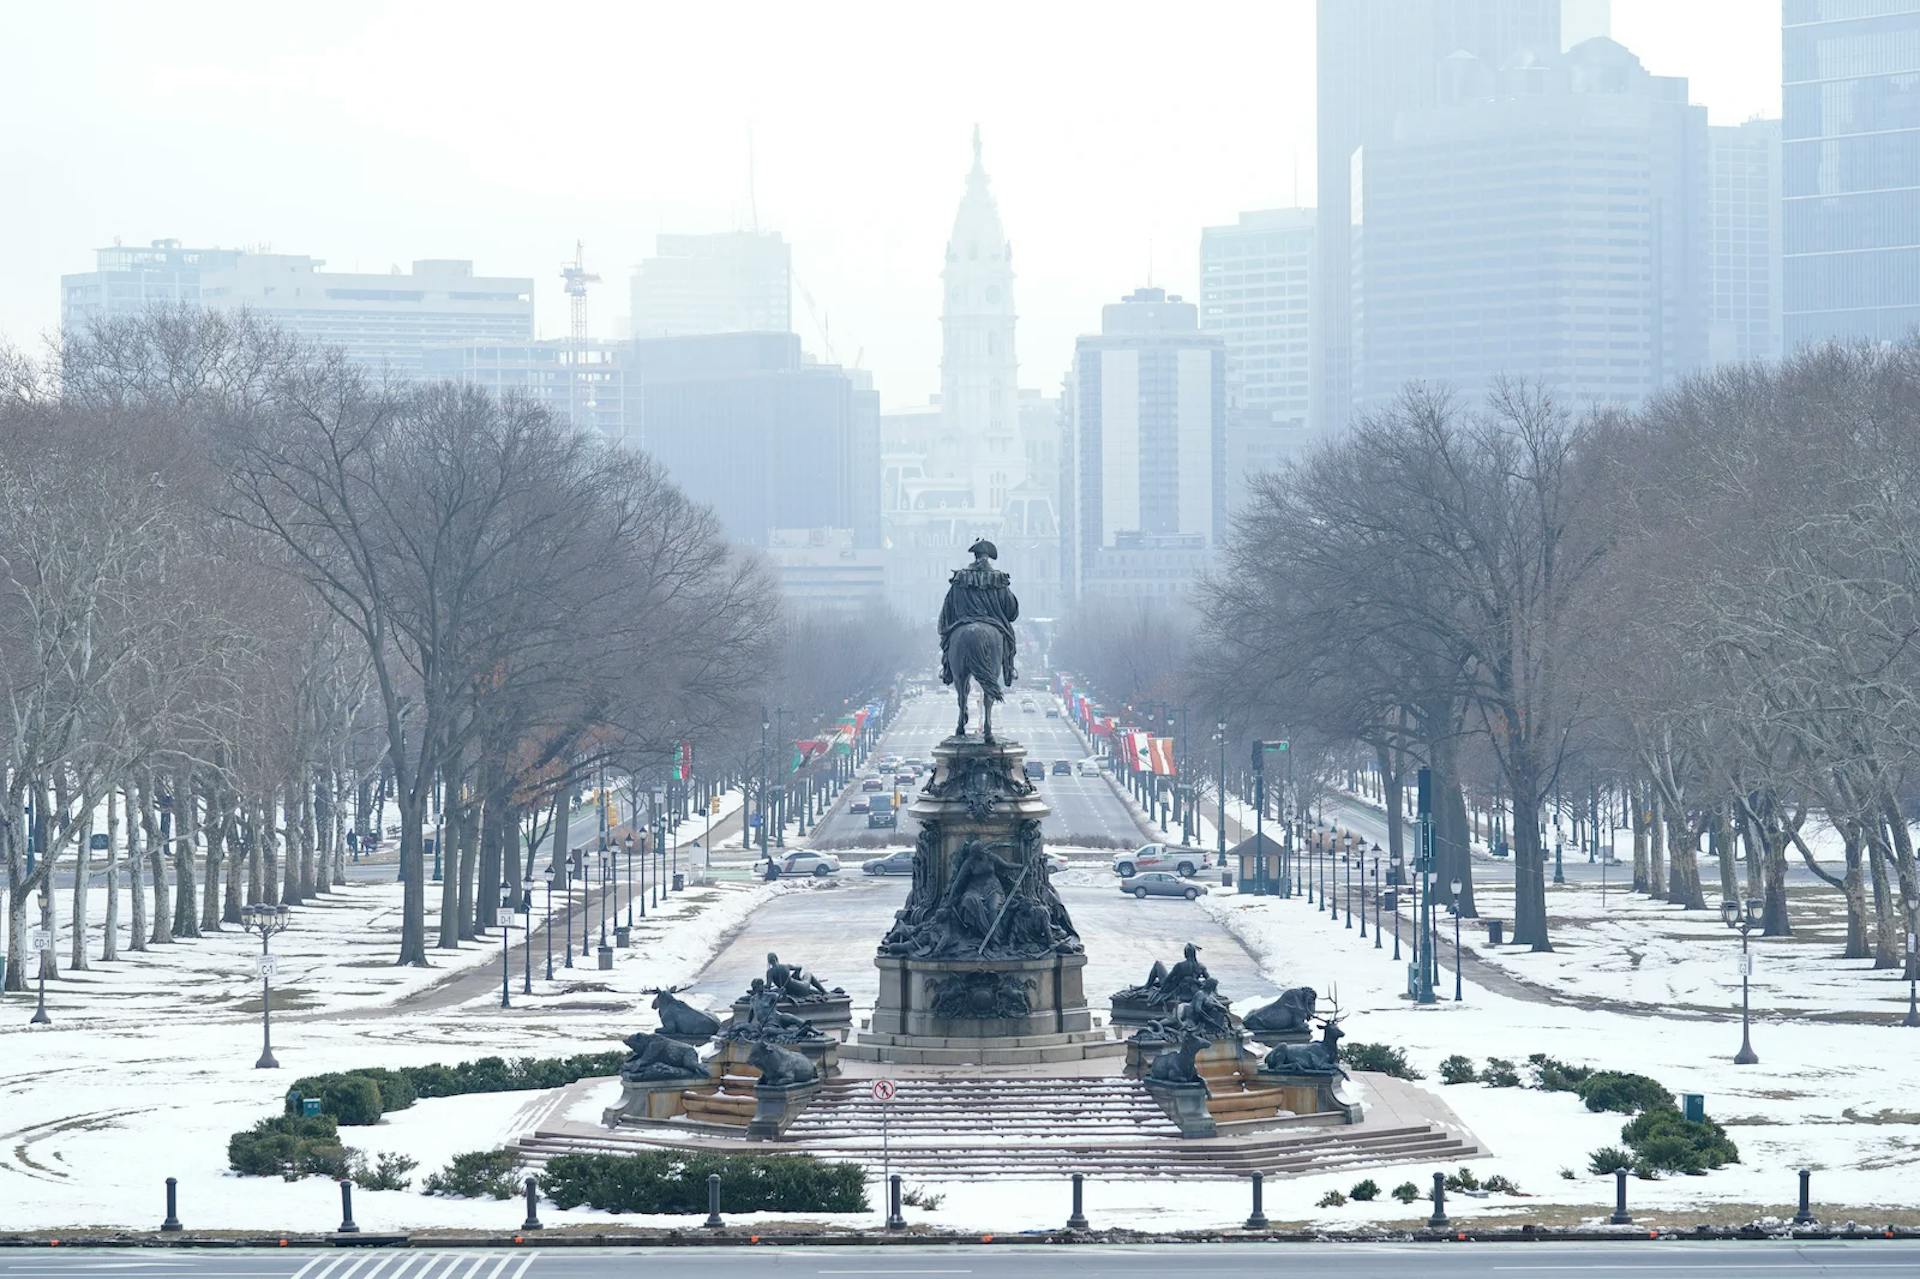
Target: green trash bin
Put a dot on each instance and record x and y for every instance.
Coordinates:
(1693, 1105)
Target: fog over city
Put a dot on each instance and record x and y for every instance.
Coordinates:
(373, 134)
(1133, 639)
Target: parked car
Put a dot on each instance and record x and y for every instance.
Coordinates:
(1056, 863)
(895, 863)
(1158, 883)
(1062, 768)
(1035, 769)
(859, 806)
(805, 862)
(873, 784)
(880, 814)
(1182, 861)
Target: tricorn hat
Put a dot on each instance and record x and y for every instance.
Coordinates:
(986, 548)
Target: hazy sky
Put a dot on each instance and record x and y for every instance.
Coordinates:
(370, 134)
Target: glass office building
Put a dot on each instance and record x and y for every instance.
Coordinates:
(1851, 169)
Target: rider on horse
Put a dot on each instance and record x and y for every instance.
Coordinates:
(978, 595)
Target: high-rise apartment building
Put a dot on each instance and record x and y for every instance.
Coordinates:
(1743, 194)
(1377, 61)
(728, 282)
(582, 383)
(1149, 452)
(1549, 222)
(383, 322)
(1850, 93)
(1255, 293)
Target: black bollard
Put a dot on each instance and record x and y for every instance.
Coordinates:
(346, 1209)
(1438, 1221)
(713, 1202)
(894, 1220)
(1258, 1221)
(172, 1224)
(533, 1198)
(1804, 1217)
(1078, 1221)
(1620, 1215)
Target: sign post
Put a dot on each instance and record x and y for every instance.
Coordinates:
(40, 939)
(883, 1092)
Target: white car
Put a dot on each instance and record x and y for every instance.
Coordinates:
(1181, 861)
(804, 862)
(1087, 768)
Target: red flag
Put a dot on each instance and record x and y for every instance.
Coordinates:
(1162, 754)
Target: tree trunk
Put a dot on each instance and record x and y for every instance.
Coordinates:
(1452, 844)
(215, 832)
(1683, 887)
(82, 879)
(156, 862)
(1642, 857)
(468, 868)
(1903, 867)
(237, 842)
(1886, 936)
(1722, 842)
(1656, 845)
(110, 926)
(1856, 896)
(1529, 883)
(136, 889)
(280, 811)
(186, 815)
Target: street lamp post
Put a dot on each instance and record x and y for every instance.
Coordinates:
(569, 869)
(506, 935)
(548, 876)
(1346, 865)
(780, 802)
(1913, 977)
(1456, 941)
(265, 921)
(1220, 732)
(1745, 921)
(1376, 897)
(526, 934)
(766, 726)
(630, 892)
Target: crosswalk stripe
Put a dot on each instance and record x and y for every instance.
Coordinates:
(521, 1269)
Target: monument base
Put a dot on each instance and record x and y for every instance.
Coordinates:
(650, 1099)
(981, 998)
(831, 1016)
(731, 1059)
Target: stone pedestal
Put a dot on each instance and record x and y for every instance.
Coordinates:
(650, 1099)
(775, 1108)
(1312, 1094)
(989, 979)
(1186, 1105)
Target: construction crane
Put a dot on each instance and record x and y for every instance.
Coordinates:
(577, 276)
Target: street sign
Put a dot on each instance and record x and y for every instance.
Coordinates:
(1746, 963)
(713, 804)
(38, 938)
(883, 1090)
(266, 966)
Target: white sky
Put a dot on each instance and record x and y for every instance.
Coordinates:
(370, 134)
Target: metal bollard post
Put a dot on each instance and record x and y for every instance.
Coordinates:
(1438, 1221)
(172, 1224)
(1078, 1221)
(346, 1209)
(713, 1202)
(533, 1199)
(1258, 1221)
(1620, 1215)
(894, 1219)
(1805, 1216)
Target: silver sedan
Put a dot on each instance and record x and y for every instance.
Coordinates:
(1160, 883)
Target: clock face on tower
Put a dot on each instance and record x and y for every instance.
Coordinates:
(993, 293)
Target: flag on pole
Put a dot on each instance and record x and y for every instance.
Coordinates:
(684, 765)
(1161, 752)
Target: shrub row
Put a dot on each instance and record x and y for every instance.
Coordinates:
(1384, 1059)
(1617, 1090)
(665, 1181)
(360, 1096)
(290, 1146)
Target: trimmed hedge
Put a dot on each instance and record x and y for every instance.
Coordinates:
(475, 1174)
(671, 1181)
(1382, 1058)
(290, 1146)
(1667, 1141)
(344, 1094)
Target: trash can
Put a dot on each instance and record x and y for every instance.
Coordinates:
(1496, 931)
(1693, 1105)
(679, 882)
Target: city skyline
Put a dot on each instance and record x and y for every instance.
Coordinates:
(863, 198)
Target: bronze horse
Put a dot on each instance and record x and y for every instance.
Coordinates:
(977, 654)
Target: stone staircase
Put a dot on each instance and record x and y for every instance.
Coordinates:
(978, 1128)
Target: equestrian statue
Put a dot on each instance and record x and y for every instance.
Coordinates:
(976, 634)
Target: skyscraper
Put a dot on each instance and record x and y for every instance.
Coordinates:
(1551, 226)
(1255, 290)
(1378, 60)
(979, 391)
(728, 282)
(1744, 197)
(1149, 454)
(1850, 91)
(384, 322)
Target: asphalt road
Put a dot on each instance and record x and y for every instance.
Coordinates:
(1642, 1260)
(1084, 808)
